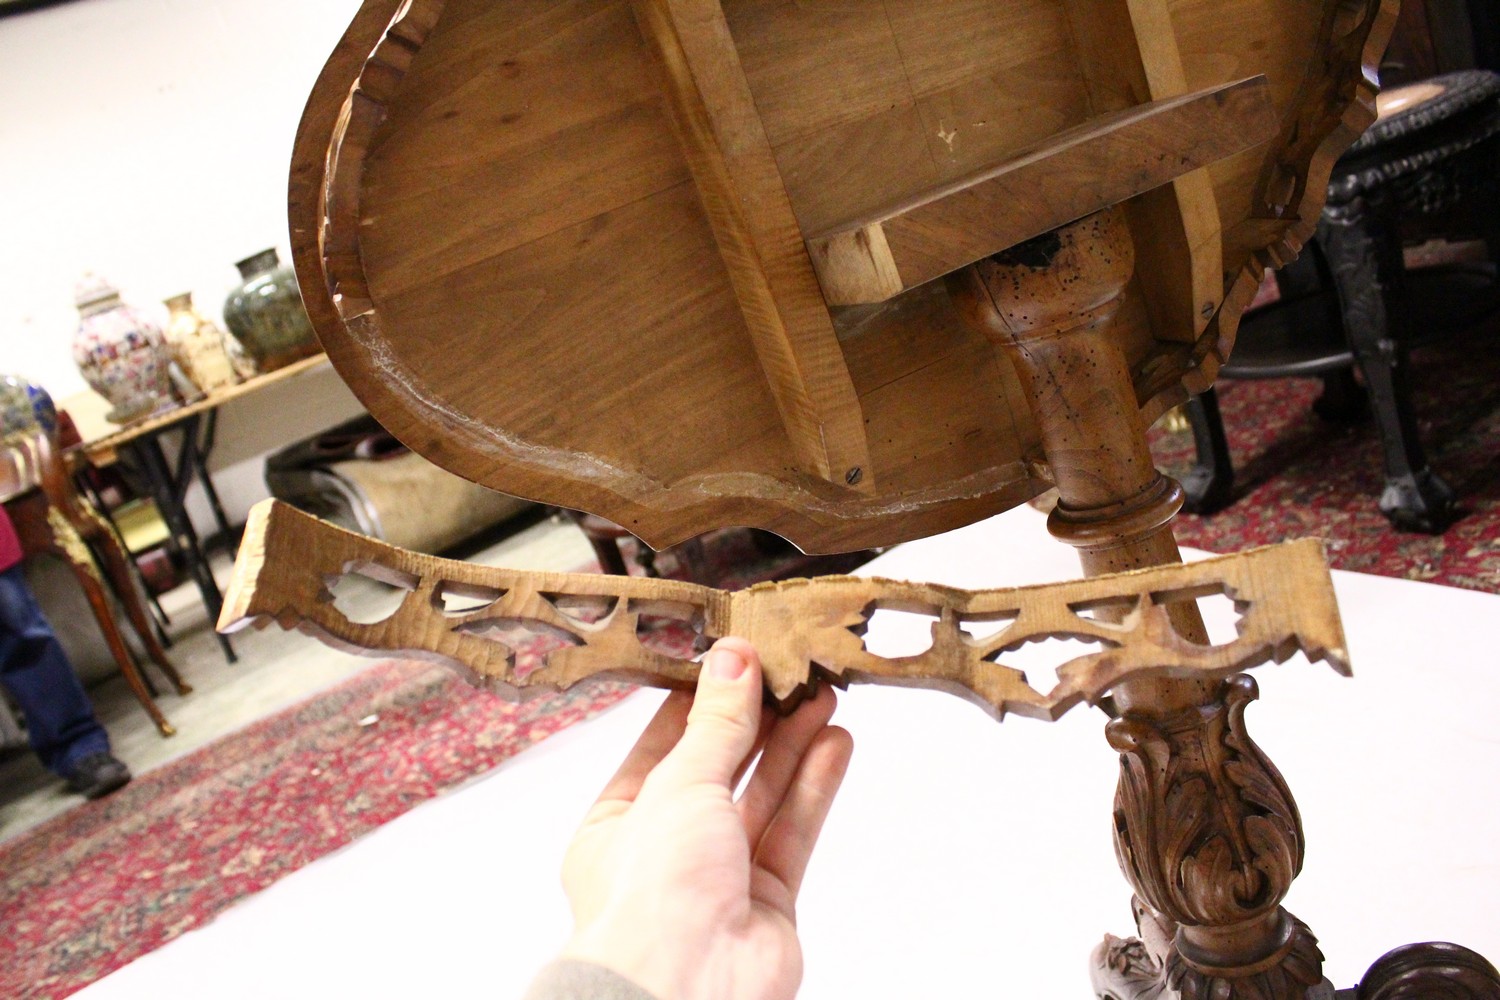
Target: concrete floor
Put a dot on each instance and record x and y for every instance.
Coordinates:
(275, 669)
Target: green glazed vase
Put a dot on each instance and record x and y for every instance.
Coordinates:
(266, 315)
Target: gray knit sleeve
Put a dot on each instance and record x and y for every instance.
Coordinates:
(567, 979)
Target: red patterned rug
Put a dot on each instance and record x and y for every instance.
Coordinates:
(111, 880)
(108, 881)
(1297, 474)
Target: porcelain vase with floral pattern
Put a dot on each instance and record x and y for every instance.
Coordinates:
(266, 313)
(121, 352)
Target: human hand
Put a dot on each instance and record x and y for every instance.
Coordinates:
(677, 885)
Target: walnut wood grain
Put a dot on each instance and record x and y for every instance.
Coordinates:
(1176, 227)
(554, 257)
(534, 275)
(1210, 838)
(1055, 306)
(757, 236)
(805, 630)
(1092, 166)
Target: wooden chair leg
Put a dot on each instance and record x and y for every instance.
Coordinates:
(1365, 258)
(693, 560)
(606, 548)
(160, 620)
(1209, 485)
(117, 568)
(645, 557)
(93, 589)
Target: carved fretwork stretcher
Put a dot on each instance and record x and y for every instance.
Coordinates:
(854, 273)
(804, 630)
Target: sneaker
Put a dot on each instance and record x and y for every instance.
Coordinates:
(98, 774)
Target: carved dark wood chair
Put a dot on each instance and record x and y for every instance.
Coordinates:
(50, 517)
(1426, 169)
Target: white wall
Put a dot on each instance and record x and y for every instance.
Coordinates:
(148, 140)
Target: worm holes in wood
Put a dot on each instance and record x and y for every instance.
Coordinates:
(1223, 616)
(670, 628)
(897, 632)
(458, 599)
(367, 593)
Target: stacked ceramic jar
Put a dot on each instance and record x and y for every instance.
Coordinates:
(121, 352)
(135, 364)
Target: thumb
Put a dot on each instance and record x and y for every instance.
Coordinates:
(724, 721)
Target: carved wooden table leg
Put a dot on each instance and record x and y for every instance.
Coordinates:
(1205, 828)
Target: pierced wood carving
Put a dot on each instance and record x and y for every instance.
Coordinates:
(804, 629)
(1335, 103)
(1293, 182)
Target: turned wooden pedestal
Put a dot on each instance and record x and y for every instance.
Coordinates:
(1206, 830)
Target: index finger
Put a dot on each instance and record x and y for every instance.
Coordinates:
(656, 741)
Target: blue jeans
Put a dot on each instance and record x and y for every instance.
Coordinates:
(35, 670)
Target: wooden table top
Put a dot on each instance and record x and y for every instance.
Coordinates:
(105, 450)
(759, 280)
